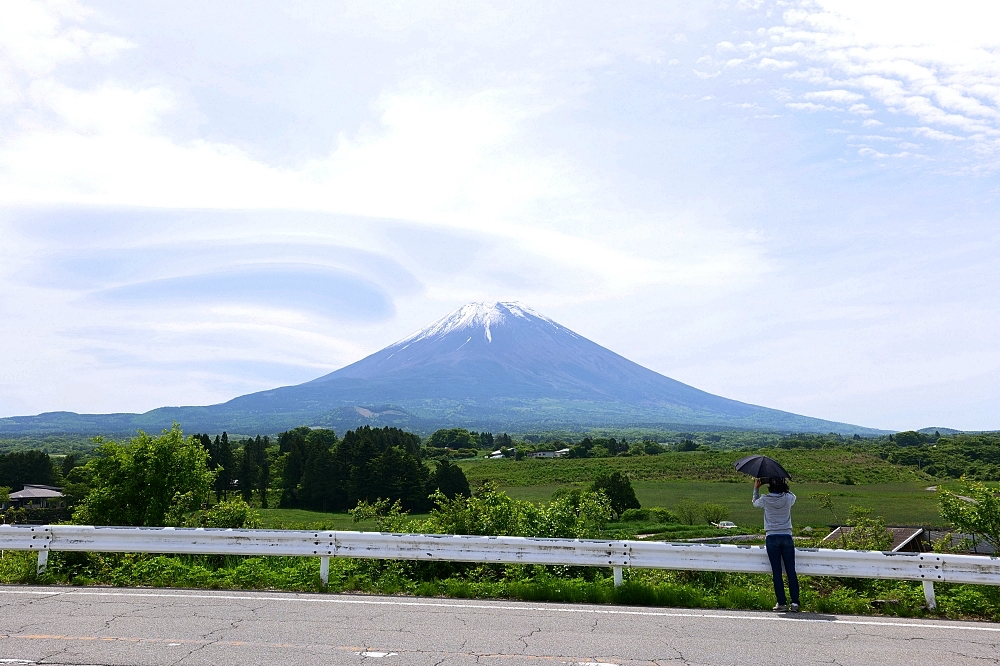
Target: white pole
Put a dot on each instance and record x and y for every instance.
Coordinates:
(618, 576)
(43, 559)
(928, 594)
(324, 569)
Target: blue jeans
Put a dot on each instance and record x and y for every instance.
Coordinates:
(781, 547)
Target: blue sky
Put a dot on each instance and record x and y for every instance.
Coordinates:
(789, 203)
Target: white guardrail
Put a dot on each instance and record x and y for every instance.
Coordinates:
(925, 567)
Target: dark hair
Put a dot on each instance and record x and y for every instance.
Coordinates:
(777, 486)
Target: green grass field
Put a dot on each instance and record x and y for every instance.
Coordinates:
(816, 466)
(899, 503)
(301, 519)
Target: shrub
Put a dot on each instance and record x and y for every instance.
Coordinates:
(687, 512)
(661, 515)
(234, 513)
(634, 515)
(714, 513)
(867, 532)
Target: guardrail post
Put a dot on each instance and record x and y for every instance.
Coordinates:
(43, 560)
(324, 569)
(928, 594)
(618, 576)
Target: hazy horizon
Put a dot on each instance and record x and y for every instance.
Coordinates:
(788, 204)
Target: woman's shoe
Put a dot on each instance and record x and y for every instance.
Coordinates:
(780, 608)
(794, 608)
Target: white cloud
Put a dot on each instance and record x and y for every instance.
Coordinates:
(771, 63)
(938, 65)
(835, 96)
(35, 37)
(810, 106)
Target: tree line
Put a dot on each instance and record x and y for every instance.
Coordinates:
(170, 479)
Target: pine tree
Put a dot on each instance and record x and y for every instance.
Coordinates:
(263, 471)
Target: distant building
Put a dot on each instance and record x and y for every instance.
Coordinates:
(549, 454)
(37, 497)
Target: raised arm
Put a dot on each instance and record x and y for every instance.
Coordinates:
(757, 500)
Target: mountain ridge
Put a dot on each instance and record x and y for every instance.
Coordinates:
(495, 365)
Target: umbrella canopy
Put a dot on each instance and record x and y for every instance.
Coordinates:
(762, 467)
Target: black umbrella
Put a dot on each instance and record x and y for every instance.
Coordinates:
(762, 467)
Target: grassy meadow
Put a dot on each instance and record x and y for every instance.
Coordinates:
(899, 503)
(851, 477)
(832, 466)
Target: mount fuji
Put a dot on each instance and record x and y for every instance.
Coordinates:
(488, 366)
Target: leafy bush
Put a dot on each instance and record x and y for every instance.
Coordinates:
(233, 513)
(635, 515)
(151, 481)
(974, 509)
(867, 532)
(714, 513)
(662, 515)
(687, 511)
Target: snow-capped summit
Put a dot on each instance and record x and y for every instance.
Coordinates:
(475, 316)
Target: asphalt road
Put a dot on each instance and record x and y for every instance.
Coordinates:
(49, 625)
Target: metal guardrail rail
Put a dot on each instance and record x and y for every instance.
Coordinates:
(925, 567)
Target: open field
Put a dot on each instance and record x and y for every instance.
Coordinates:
(899, 503)
(834, 465)
(301, 519)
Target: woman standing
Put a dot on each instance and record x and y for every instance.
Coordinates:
(777, 505)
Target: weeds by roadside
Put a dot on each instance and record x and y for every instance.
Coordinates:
(678, 589)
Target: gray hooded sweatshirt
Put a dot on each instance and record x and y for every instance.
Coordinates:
(777, 511)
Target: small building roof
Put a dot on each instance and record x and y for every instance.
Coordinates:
(37, 492)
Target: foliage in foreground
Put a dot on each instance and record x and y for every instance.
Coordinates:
(530, 583)
(146, 481)
(492, 512)
(974, 509)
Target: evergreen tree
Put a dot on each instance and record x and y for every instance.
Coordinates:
(221, 456)
(20, 467)
(450, 480)
(263, 470)
(292, 445)
(248, 469)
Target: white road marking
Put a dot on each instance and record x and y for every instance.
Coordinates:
(751, 615)
(379, 655)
